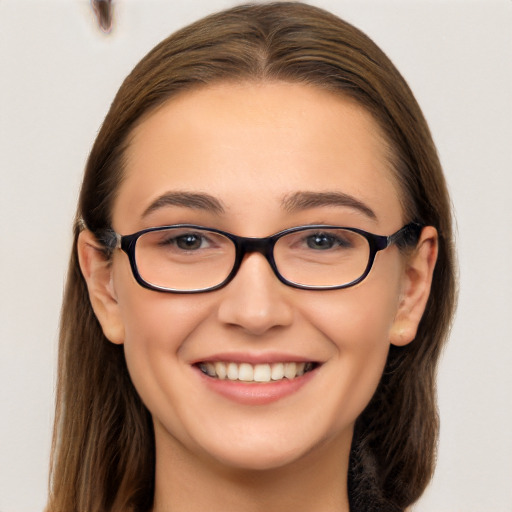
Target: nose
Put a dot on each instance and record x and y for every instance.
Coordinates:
(255, 300)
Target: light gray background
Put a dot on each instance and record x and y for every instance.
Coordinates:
(58, 74)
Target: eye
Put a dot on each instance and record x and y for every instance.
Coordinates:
(323, 241)
(179, 240)
(190, 241)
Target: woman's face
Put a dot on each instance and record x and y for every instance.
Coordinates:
(245, 150)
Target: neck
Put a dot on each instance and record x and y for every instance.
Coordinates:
(317, 481)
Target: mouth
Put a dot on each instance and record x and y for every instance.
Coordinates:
(260, 373)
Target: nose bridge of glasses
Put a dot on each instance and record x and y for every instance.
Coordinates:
(248, 245)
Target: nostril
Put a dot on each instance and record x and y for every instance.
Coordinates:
(254, 312)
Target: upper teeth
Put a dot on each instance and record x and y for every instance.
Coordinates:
(255, 373)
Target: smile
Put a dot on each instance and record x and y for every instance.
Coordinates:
(246, 372)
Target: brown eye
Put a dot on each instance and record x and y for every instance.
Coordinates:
(320, 241)
(323, 241)
(189, 241)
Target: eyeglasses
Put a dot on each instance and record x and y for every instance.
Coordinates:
(185, 258)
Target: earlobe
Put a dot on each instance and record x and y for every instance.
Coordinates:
(419, 270)
(97, 272)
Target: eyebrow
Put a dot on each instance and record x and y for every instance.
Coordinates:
(291, 203)
(193, 200)
(305, 200)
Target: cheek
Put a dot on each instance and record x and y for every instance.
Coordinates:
(152, 318)
(157, 326)
(360, 317)
(357, 322)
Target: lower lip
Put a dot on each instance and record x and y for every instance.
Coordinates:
(256, 393)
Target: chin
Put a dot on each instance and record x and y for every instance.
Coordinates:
(272, 451)
(258, 459)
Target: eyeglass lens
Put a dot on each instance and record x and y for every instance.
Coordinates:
(185, 259)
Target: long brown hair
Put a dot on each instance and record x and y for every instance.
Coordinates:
(103, 447)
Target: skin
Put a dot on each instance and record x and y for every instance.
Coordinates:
(250, 145)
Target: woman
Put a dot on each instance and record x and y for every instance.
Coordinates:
(261, 282)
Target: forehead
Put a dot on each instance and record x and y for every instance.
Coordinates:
(258, 142)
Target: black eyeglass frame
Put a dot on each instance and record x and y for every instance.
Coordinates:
(408, 235)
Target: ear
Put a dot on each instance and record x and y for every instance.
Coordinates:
(97, 272)
(419, 269)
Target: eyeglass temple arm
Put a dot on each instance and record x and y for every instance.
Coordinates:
(109, 239)
(406, 236)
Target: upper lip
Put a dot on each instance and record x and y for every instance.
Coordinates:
(254, 358)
